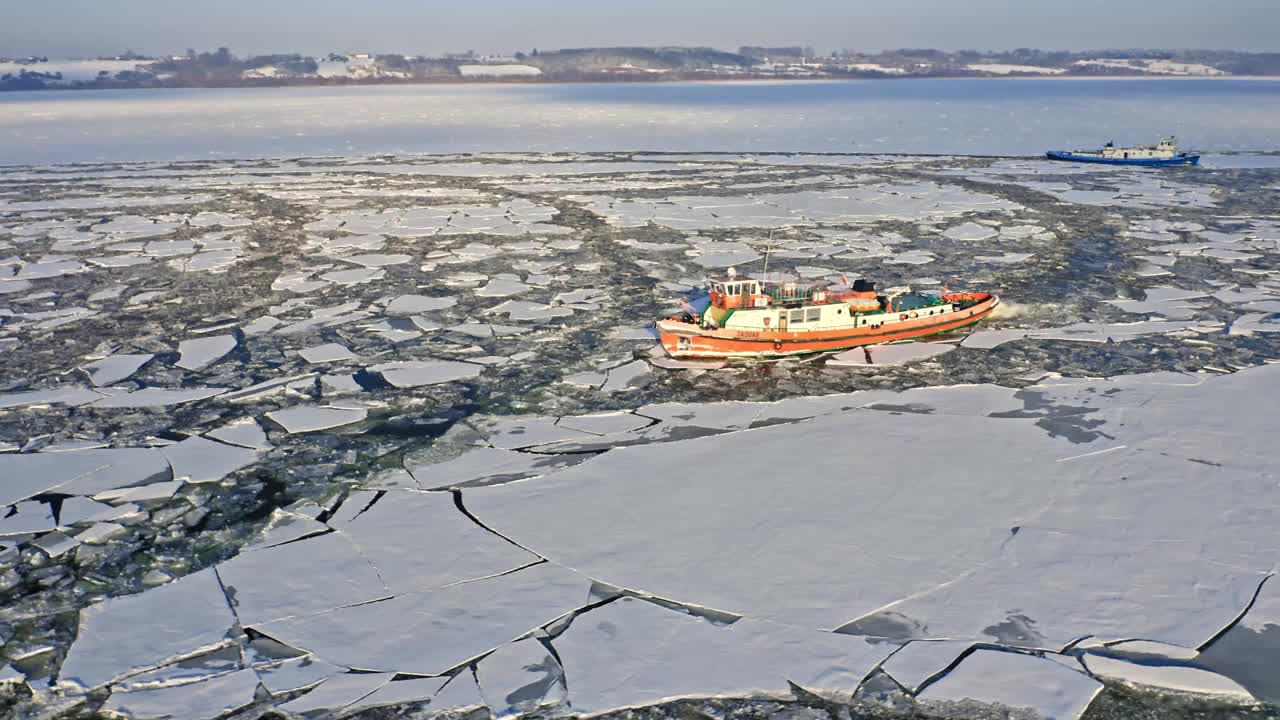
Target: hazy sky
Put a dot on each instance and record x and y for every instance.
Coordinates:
(90, 27)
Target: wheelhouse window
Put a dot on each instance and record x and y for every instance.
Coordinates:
(797, 316)
(813, 315)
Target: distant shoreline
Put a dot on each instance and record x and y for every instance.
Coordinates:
(628, 80)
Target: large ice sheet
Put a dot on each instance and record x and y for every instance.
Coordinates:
(323, 572)
(919, 661)
(446, 546)
(483, 466)
(429, 633)
(719, 522)
(631, 652)
(1172, 559)
(204, 700)
(81, 472)
(126, 634)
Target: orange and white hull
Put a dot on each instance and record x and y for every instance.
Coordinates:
(691, 340)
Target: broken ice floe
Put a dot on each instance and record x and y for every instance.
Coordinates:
(313, 419)
(429, 633)
(1016, 681)
(199, 353)
(632, 653)
(1177, 678)
(108, 644)
(414, 373)
(113, 369)
(883, 355)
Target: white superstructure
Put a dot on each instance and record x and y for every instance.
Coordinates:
(1166, 148)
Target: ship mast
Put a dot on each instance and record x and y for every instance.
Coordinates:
(767, 249)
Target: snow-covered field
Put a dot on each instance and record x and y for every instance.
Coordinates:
(499, 71)
(348, 436)
(874, 67)
(1155, 67)
(1001, 69)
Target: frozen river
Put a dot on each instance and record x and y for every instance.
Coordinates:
(376, 436)
(979, 117)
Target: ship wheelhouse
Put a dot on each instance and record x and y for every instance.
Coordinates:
(735, 294)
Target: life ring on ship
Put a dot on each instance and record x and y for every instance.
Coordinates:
(903, 316)
(777, 344)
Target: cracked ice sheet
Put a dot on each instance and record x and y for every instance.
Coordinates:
(158, 397)
(80, 472)
(337, 692)
(295, 673)
(122, 635)
(408, 690)
(1168, 677)
(204, 700)
(519, 678)
(485, 466)
(917, 662)
(631, 653)
(433, 521)
(1249, 652)
(202, 667)
(1174, 558)
(429, 633)
(66, 396)
(513, 433)
(652, 530)
(285, 527)
(324, 572)
(1051, 690)
(1080, 332)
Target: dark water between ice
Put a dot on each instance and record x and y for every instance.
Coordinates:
(966, 116)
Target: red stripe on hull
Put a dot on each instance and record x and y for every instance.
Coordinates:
(729, 343)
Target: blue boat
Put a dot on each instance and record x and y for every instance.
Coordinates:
(1164, 154)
